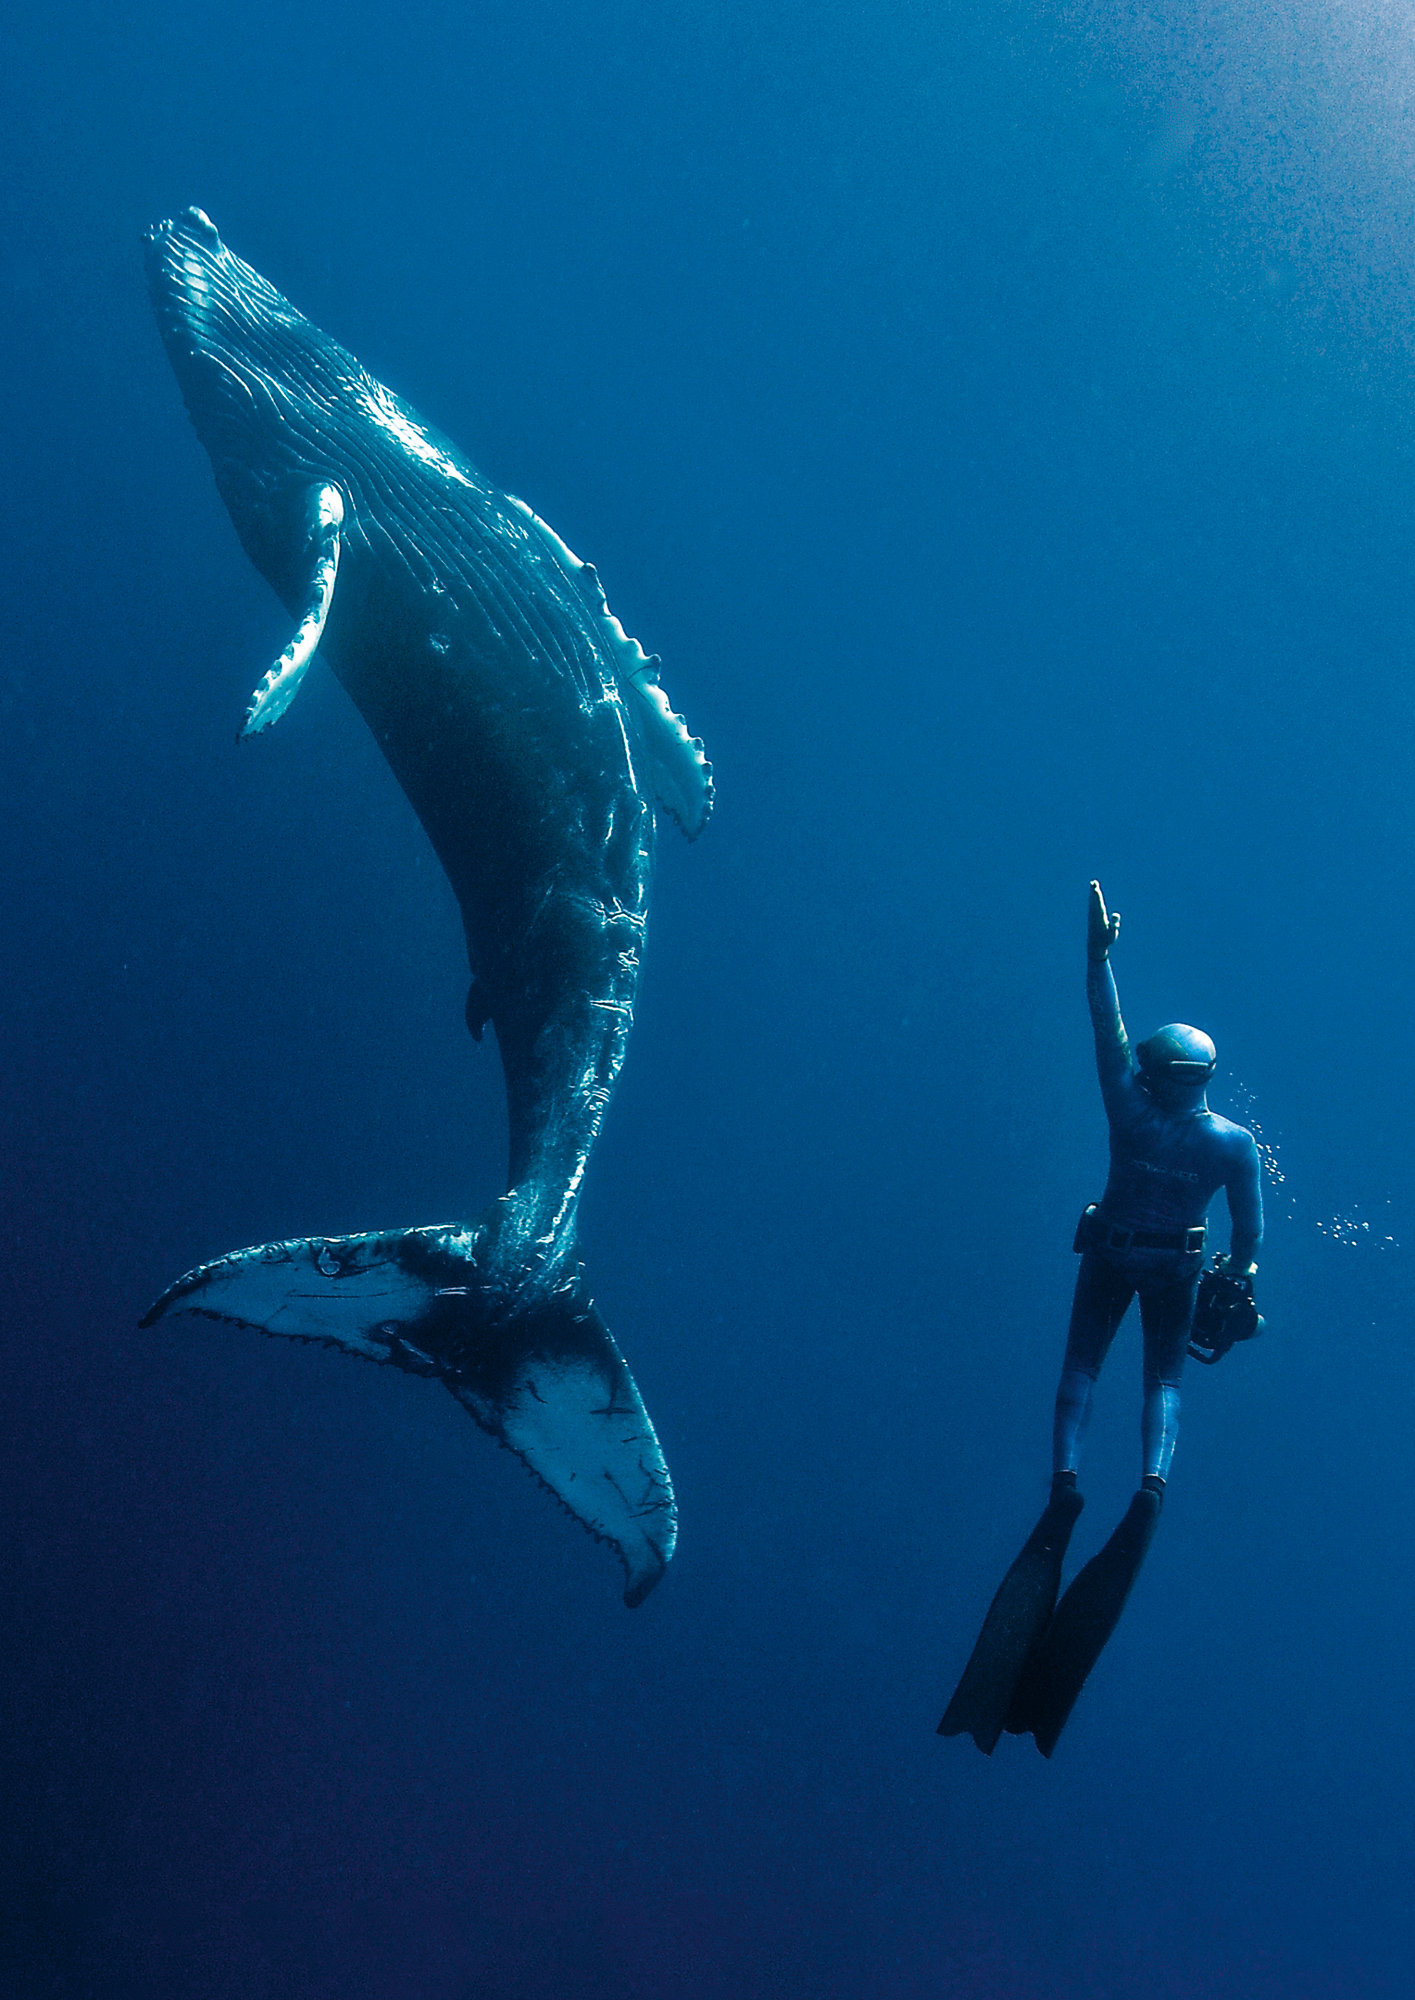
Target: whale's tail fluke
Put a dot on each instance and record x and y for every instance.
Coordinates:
(539, 1371)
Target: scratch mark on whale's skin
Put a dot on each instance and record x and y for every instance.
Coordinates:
(534, 742)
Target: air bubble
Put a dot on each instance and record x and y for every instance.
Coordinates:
(1352, 1231)
(1267, 1152)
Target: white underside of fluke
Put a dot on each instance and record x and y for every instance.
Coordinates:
(574, 1417)
(354, 1292)
(282, 683)
(586, 1435)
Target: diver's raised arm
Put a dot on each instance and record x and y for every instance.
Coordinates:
(1102, 926)
(1113, 1064)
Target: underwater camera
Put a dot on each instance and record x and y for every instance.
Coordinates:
(1224, 1314)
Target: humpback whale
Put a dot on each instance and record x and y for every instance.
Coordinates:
(536, 746)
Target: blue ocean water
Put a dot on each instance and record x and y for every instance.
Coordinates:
(998, 416)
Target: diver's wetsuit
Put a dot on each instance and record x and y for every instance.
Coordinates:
(1169, 1156)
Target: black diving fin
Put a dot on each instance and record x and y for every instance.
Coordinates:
(1015, 1622)
(1056, 1671)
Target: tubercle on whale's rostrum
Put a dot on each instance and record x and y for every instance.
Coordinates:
(533, 741)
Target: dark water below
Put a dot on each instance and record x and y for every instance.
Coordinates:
(999, 419)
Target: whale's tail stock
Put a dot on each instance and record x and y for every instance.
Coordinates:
(536, 1367)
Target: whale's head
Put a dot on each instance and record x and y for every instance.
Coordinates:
(274, 400)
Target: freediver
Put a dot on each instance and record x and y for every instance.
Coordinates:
(1169, 1156)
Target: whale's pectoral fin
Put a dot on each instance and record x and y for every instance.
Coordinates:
(281, 684)
(679, 772)
(543, 1376)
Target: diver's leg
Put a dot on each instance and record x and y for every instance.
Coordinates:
(1022, 1608)
(1102, 1295)
(1159, 1428)
(1167, 1317)
(1057, 1666)
(1020, 1613)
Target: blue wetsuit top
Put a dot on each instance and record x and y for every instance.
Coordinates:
(1167, 1162)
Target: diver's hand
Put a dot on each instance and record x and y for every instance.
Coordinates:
(1102, 928)
(1226, 1267)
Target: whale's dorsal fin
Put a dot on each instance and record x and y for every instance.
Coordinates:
(679, 772)
(281, 684)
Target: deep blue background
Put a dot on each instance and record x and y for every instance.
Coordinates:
(998, 416)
